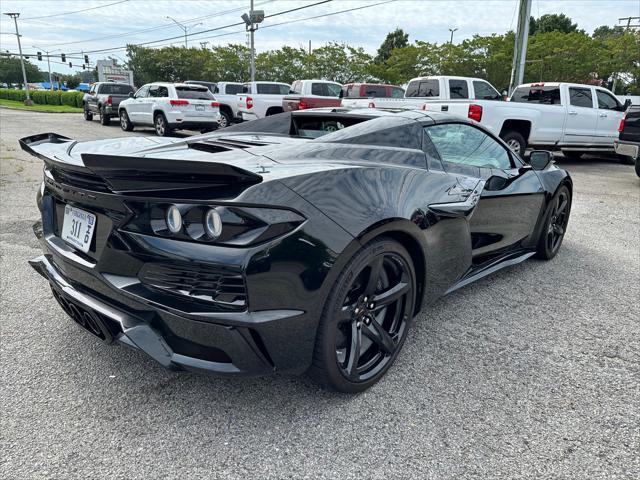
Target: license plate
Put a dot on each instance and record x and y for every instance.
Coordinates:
(78, 227)
(200, 108)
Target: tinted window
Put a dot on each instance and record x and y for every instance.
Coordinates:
(158, 92)
(458, 89)
(232, 89)
(580, 97)
(546, 95)
(142, 92)
(423, 88)
(484, 91)
(326, 89)
(461, 143)
(378, 91)
(606, 101)
(194, 93)
(397, 92)
(273, 88)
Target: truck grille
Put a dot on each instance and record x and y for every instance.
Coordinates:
(221, 286)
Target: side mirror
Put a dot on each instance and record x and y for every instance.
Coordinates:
(540, 159)
(130, 94)
(341, 94)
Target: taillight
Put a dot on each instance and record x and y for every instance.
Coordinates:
(475, 112)
(109, 100)
(302, 105)
(372, 105)
(621, 126)
(249, 102)
(177, 103)
(215, 104)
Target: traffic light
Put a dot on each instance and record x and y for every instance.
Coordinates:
(84, 66)
(70, 65)
(39, 56)
(86, 59)
(63, 57)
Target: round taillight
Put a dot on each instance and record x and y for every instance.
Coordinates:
(174, 219)
(213, 224)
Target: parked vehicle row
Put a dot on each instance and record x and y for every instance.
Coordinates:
(627, 144)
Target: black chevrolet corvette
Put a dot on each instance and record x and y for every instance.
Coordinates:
(303, 242)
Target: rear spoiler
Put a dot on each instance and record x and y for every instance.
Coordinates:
(133, 173)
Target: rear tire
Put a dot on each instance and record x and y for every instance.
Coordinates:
(161, 125)
(104, 118)
(555, 224)
(125, 122)
(88, 116)
(365, 318)
(515, 141)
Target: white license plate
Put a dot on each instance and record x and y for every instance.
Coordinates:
(78, 227)
(200, 108)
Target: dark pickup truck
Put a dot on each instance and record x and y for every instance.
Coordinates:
(628, 142)
(103, 99)
(312, 94)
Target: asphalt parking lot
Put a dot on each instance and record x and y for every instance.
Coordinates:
(533, 372)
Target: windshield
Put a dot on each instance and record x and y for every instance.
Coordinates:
(194, 93)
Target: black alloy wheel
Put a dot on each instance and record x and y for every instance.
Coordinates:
(556, 224)
(366, 319)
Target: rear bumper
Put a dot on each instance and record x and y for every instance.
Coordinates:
(626, 148)
(247, 116)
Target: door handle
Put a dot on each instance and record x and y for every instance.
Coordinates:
(572, 112)
(602, 115)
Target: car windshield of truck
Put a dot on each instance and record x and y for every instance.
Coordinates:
(115, 89)
(272, 88)
(194, 93)
(484, 91)
(326, 89)
(423, 88)
(546, 95)
(233, 89)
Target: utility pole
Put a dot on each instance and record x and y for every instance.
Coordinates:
(24, 72)
(452, 30)
(520, 48)
(204, 45)
(48, 62)
(251, 22)
(184, 28)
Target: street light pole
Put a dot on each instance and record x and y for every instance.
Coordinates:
(452, 30)
(251, 22)
(24, 72)
(253, 52)
(184, 28)
(48, 62)
(520, 47)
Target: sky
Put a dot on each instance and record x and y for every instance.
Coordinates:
(52, 25)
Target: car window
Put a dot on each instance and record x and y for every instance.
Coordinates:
(376, 91)
(484, 91)
(458, 89)
(537, 94)
(397, 92)
(115, 89)
(194, 93)
(232, 89)
(462, 143)
(423, 88)
(606, 101)
(142, 92)
(326, 89)
(272, 88)
(580, 97)
(158, 91)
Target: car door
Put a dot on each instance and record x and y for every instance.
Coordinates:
(610, 112)
(91, 99)
(134, 108)
(582, 117)
(509, 206)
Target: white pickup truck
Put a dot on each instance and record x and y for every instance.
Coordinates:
(225, 94)
(571, 117)
(261, 99)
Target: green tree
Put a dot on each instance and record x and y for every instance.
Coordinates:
(395, 39)
(552, 22)
(11, 71)
(341, 63)
(284, 65)
(605, 31)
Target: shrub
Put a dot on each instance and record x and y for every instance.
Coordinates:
(11, 94)
(53, 97)
(68, 98)
(39, 96)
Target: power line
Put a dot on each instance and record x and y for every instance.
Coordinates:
(71, 13)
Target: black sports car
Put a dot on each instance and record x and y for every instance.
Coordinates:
(305, 241)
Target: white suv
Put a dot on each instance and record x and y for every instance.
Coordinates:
(170, 106)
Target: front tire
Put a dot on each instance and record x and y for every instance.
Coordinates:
(365, 318)
(161, 125)
(555, 224)
(516, 142)
(638, 167)
(88, 116)
(125, 122)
